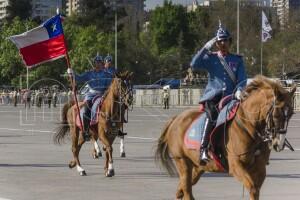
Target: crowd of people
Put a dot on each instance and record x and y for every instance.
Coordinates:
(30, 98)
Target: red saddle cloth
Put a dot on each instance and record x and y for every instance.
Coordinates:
(192, 137)
(98, 100)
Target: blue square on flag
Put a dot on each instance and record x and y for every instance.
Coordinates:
(54, 26)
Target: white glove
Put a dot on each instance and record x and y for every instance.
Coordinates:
(238, 94)
(70, 71)
(210, 43)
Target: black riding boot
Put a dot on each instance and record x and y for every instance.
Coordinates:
(208, 126)
(86, 124)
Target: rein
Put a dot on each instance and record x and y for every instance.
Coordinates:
(265, 136)
(120, 98)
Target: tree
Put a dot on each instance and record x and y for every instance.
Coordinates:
(11, 64)
(166, 24)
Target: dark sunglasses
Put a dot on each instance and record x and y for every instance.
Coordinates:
(223, 40)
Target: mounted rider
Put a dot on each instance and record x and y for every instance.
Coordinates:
(98, 81)
(226, 76)
(108, 65)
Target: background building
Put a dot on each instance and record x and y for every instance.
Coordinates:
(284, 8)
(45, 9)
(3, 4)
(73, 6)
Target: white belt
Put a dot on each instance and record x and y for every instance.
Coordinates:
(94, 91)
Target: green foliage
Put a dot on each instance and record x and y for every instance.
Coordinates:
(11, 64)
(166, 24)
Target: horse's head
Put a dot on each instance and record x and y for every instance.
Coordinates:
(279, 115)
(124, 88)
(275, 112)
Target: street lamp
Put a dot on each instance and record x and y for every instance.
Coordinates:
(116, 34)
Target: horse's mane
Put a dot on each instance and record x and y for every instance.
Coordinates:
(261, 82)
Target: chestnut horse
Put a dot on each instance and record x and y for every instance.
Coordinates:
(259, 124)
(110, 120)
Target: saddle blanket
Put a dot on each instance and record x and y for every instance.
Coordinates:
(94, 111)
(193, 134)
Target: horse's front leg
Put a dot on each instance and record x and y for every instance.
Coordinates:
(76, 146)
(252, 178)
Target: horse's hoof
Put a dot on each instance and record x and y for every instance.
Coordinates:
(82, 173)
(95, 156)
(71, 165)
(110, 173)
(123, 155)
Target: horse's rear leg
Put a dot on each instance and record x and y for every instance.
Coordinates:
(76, 146)
(196, 174)
(184, 189)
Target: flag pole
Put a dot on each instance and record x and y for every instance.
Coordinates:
(261, 58)
(73, 85)
(27, 78)
(261, 45)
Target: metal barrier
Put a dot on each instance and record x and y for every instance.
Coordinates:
(181, 97)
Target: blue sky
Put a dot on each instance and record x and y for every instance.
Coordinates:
(153, 3)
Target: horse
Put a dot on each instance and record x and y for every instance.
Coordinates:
(259, 125)
(111, 117)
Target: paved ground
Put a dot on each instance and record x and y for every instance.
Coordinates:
(33, 168)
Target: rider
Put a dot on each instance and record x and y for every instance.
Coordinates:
(98, 80)
(226, 76)
(108, 65)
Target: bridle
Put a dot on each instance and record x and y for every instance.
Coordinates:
(271, 129)
(125, 93)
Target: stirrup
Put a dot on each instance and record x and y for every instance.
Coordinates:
(204, 157)
(121, 134)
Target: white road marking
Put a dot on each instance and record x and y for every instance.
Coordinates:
(46, 131)
(4, 198)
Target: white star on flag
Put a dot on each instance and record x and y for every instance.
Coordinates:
(53, 27)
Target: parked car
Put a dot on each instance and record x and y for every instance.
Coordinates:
(171, 82)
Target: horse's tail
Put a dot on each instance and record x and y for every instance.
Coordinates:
(162, 151)
(64, 127)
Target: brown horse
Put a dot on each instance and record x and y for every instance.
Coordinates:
(260, 124)
(110, 120)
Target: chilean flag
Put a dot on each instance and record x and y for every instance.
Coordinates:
(43, 43)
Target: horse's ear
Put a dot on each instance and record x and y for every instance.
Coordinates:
(129, 75)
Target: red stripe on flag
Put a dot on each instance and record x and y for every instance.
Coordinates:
(44, 51)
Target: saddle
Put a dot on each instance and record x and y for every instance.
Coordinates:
(97, 103)
(227, 110)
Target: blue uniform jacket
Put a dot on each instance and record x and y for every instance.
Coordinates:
(112, 70)
(98, 82)
(219, 82)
